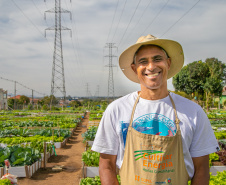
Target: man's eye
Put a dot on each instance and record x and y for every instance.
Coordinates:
(157, 59)
(143, 62)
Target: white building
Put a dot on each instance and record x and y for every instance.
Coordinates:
(3, 100)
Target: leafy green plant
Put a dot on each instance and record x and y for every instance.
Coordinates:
(37, 138)
(90, 134)
(19, 156)
(94, 181)
(5, 182)
(220, 134)
(213, 157)
(91, 158)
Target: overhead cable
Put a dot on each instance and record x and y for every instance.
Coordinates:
(134, 28)
(180, 18)
(112, 22)
(155, 17)
(129, 22)
(119, 20)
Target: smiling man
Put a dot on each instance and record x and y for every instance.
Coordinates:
(154, 136)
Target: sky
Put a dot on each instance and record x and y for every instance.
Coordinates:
(26, 55)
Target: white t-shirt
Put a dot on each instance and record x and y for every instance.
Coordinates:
(198, 138)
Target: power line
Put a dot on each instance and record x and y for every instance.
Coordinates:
(155, 17)
(21, 85)
(79, 60)
(134, 28)
(119, 20)
(36, 7)
(112, 21)
(180, 18)
(129, 22)
(27, 17)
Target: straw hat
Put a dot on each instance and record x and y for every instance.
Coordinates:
(172, 48)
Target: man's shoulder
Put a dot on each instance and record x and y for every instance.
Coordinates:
(124, 100)
(185, 102)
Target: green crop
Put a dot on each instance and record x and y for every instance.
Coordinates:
(94, 181)
(90, 134)
(91, 158)
(19, 140)
(5, 182)
(19, 156)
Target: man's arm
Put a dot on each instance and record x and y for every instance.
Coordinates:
(201, 176)
(107, 169)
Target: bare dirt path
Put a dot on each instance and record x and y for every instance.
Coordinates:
(69, 156)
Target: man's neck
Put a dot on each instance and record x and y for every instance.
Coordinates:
(153, 94)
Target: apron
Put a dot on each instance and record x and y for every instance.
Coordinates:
(153, 159)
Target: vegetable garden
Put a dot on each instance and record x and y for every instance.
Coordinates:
(23, 135)
(28, 139)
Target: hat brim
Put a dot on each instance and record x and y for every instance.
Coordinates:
(173, 49)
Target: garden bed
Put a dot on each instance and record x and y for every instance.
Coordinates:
(23, 171)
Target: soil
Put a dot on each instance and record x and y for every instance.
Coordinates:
(70, 157)
(217, 163)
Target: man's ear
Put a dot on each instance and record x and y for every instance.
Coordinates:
(133, 66)
(169, 63)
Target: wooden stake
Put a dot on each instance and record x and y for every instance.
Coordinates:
(2, 172)
(53, 135)
(27, 171)
(44, 155)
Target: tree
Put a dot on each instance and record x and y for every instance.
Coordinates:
(204, 78)
(48, 99)
(10, 102)
(75, 103)
(191, 78)
(24, 100)
(214, 84)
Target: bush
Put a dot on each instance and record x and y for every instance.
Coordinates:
(45, 107)
(30, 107)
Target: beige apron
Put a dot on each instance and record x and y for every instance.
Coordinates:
(153, 159)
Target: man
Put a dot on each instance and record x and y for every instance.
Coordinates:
(154, 136)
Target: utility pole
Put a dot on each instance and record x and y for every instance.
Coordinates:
(58, 79)
(111, 93)
(32, 98)
(14, 95)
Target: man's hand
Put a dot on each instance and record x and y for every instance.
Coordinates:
(201, 176)
(107, 169)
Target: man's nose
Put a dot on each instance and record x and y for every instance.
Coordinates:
(151, 65)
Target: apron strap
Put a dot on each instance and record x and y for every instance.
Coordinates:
(177, 121)
(175, 112)
(134, 107)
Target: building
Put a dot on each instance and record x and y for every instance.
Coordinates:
(3, 100)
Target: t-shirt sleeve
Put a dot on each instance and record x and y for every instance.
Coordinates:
(106, 139)
(204, 141)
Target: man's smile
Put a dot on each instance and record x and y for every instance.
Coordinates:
(151, 75)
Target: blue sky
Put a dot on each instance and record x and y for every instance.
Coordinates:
(26, 55)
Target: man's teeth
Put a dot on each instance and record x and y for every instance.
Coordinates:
(151, 75)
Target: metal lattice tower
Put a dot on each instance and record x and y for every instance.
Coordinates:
(58, 79)
(111, 93)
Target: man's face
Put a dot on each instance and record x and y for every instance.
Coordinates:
(151, 66)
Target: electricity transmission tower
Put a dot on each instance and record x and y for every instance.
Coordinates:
(58, 79)
(111, 93)
(88, 94)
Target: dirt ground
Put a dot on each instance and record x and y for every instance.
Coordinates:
(69, 157)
